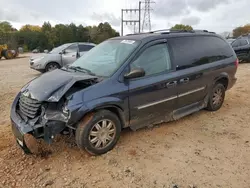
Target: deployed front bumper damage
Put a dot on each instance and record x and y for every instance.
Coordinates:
(50, 123)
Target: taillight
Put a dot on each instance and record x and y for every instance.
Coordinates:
(237, 63)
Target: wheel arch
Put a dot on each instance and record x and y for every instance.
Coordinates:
(117, 110)
(222, 78)
(46, 64)
(114, 108)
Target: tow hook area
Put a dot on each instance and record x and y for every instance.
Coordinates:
(36, 146)
(31, 143)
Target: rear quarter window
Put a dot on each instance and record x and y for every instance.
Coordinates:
(199, 50)
(84, 47)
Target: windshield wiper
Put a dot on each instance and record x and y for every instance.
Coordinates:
(81, 69)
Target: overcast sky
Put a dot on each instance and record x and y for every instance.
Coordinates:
(213, 15)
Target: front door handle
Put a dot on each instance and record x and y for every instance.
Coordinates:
(171, 84)
(184, 80)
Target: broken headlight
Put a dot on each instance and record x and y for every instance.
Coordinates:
(65, 109)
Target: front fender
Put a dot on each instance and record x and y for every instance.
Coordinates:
(102, 103)
(107, 101)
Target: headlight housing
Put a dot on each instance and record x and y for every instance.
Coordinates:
(38, 59)
(65, 109)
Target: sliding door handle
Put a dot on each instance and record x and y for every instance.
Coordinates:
(184, 80)
(171, 84)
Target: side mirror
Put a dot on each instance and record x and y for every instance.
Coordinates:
(135, 73)
(63, 52)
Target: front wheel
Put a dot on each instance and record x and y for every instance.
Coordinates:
(98, 132)
(52, 66)
(216, 97)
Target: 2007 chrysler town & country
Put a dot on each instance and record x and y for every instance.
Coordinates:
(132, 81)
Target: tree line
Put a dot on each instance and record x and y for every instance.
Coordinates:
(242, 30)
(238, 31)
(47, 36)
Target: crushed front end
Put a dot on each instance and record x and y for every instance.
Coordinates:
(39, 119)
(49, 104)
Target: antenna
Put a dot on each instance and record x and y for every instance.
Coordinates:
(147, 18)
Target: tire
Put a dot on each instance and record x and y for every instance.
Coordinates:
(51, 66)
(88, 130)
(216, 97)
(7, 54)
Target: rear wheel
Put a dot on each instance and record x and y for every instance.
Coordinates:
(7, 54)
(52, 66)
(99, 132)
(216, 97)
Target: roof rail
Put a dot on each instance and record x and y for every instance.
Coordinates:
(167, 31)
(205, 31)
(164, 31)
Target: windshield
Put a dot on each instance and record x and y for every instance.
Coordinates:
(59, 49)
(104, 59)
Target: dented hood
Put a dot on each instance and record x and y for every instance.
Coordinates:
(53, 85)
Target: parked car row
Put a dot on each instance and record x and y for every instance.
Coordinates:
(132, 81)
(60, 56)
(241, 47)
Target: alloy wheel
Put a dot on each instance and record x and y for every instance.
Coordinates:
(52, 67)
(102, 134)
(217, 97)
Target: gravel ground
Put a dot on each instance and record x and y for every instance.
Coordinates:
(202, 150)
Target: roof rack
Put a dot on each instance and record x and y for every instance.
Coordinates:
(167, 31)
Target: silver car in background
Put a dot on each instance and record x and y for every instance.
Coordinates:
(61, 56)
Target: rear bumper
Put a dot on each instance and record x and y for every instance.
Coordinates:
(232, 83)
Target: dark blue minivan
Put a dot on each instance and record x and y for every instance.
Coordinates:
(132, 81)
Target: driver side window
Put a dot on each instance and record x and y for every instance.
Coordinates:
(155, 59)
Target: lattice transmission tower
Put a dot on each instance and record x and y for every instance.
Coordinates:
(146, 25)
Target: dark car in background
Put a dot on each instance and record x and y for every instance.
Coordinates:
(230, 41)
(241, 47)
(132, 81)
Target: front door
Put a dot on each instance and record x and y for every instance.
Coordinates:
(70, 54)
(153, 97)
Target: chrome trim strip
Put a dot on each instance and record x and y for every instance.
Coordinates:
(157, 102)
(170, 98)
(192, 91)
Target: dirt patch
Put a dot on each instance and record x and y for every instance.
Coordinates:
(202, 150)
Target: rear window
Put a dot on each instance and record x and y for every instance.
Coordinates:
(243, 42)
(199, 50)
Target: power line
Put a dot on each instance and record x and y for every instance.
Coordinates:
(131, 21)
(147, 18)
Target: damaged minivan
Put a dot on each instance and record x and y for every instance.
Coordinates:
(132, 81)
